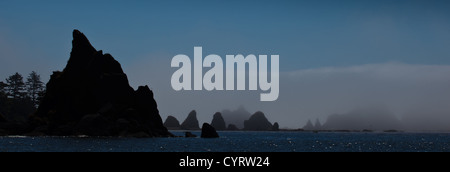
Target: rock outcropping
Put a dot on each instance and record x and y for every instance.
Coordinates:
(232, 127)
(172, 123)
(191, 122)
(3, 121)
(276, 127)
(218, 122)
(257, 122)
(208, 131)
(2, 118)
(92, 96)
(308, 126)
(189, 134)
(236, 117)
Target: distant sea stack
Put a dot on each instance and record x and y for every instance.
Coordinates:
(232, 127)
(308, 126)
(92, 96)
(208, 131)
(172, 123)
(236, 117)
(257, 122)
(218, 122)
(275, 127)
(191, 122)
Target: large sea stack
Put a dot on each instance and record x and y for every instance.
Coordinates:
(92, 96)
(2, 118)
(172, 123)
(218, 122)
(258, 122)
(209, 131)
(191, 122)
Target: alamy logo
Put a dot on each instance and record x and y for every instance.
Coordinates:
(181, 79)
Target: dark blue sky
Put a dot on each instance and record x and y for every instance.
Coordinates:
(306, 34)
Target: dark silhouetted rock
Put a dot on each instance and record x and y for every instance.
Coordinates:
(2, 118)
(218, 122)
(172, 123)
(232, 127)
(15, 110)
(189, 134)
(257, 122)
(12, 128)
(308, 126)
(236, 117)
(140, 134)
(3, 126)
(208, 131)
(94, 125)
(275, 127)
(191, 122)
(92, 96)
(122, 126)
(8, 127)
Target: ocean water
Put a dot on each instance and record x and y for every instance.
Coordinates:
(238, 142)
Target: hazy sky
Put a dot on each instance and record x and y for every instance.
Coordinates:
(334, 55)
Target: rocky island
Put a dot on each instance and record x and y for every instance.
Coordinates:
(92, 97)
(191, 122)
(218, 122)
(258, 122)
(172, 123)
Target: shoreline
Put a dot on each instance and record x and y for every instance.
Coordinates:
(240, 131)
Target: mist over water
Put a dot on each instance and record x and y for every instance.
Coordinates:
(407, 96)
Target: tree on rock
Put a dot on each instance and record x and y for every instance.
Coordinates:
(16, 87)
(34, 87)
(2, 88)
(15, 105)
(3, 97)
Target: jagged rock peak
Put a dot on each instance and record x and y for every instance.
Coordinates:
(172, 122)
(82, 53)
(80, 41)
(191, 122)
(218, 122)
(92, 96)
(257, 122)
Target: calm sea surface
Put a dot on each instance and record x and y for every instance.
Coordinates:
(238, 142)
